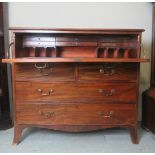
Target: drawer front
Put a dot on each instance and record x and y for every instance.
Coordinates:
(125, 45)
(27, 91)
(80, 114)
(72, 92)
(44, 72)
(111, 92)
(108, 72)
(38, 41)
(45, 38)
(38, 44)
(76, 39)
(76, 43)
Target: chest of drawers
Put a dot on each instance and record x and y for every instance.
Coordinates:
(75, 80)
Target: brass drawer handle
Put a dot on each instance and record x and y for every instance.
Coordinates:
(40, 67)
(45, 94)
(107, 72)
(46, 114)
(111, 93)
(111, 113)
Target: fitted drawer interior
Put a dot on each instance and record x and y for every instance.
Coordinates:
(56, 45)
(75, 92)
(79, 114)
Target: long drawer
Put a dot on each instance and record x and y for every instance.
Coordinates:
(75, 92)
(79, 114)
(108, 72)
(45, 72)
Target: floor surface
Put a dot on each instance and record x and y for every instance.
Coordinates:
(109, 140)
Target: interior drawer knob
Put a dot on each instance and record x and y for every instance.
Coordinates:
(45, 94)
(111, 93)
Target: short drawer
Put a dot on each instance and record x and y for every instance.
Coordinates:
(76, 92)
(56, 92)
(108, 72)
(79, 114)
(111, 92)
(45, 72)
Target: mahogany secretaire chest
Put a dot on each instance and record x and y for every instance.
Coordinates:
(75, 79)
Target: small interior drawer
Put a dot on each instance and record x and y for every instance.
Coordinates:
(36, 37)
(119, 44)
(38, 41)
(75, 38)
(38, 44)
(76, 43)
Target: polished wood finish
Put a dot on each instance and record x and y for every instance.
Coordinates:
(75, 79)
(114, 72)
(86, 71)
(83, 92)
(79, 114)
(50, 72)
(27, 60)
(148, 112)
